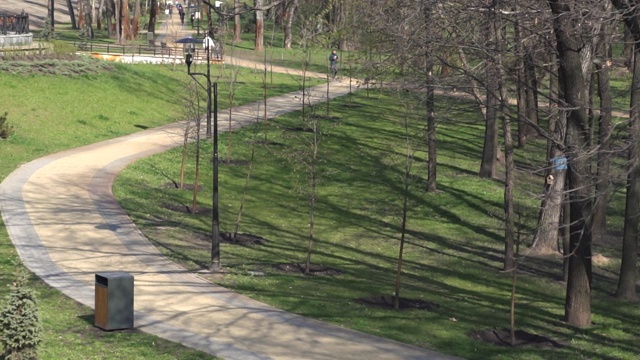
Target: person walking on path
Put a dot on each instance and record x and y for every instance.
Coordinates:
(333, 61)
(180, 12)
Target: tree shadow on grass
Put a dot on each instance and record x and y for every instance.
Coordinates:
(314, 269)
(388, 302)
(502, 337)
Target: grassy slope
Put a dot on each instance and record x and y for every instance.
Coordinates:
(455, 240)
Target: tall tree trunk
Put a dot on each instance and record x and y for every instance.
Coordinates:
(259, 42)
(604, 131)
(509, 214)
(341, 16)
(627, 50)
(72, 15)
(488, 167)
(237, 23)
(531, 95)
(570, 44)
(628, 268)
(432, 184)
(52, 19)
(289, 16)
(546, 236)
(137, 12)
(153, 16)
(545, 240)
(81, 14)
(127, 34)
(99, 15)
(118, 20)
(88, 18)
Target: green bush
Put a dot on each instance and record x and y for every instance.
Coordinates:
(20, 325)
(47, 33)
(5, 129)
(62, 47)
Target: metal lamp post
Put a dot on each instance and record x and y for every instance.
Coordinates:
(215, 223)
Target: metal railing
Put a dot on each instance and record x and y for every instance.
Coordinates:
(14, 24)
(150, 50)
(146, 50)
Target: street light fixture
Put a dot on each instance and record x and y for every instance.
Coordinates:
(215, 223)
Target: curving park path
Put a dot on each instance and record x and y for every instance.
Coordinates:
(66, 225)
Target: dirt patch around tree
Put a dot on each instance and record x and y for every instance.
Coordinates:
(186, 209)
(502, 337)
(388, 302)
(242, 239)
(314, 269)
(176, 186)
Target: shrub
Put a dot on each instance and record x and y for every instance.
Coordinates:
(62, 47)
(5, 129)
(20, 326)
(47, 33)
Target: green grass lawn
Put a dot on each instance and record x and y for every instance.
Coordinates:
(454, 250)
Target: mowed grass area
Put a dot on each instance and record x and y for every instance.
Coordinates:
(454, 242)
(51, 113)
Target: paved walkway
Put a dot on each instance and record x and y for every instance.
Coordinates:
(66, 225)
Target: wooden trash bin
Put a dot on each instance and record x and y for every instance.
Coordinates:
(114, 301)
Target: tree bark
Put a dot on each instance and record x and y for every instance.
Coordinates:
(545, 240)
(81, 14)
(237, 23)
(488, 167)
(99, 15)
(127, 34)
(259, 42)
(88, 18)
(570, 45)
(136, 19)
(509, 181)
(289, 16)
(72, 15)
(432, 184)
(52, 18)
(118, 20)
(153, 16)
